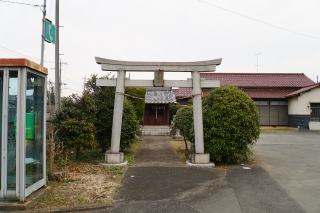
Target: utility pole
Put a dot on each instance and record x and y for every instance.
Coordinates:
(257, 65)
(57, 82)
(84, 83)
(60, 82)
(50, 97)
(43, 32)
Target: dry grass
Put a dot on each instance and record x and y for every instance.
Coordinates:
(181, 151)
(92, 185)
(86, 182)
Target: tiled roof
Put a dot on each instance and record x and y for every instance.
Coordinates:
(154, 94)
(268, 94)
(183, 92)
(260, 80)
(261, 93)
(268, 81)
(304, 89)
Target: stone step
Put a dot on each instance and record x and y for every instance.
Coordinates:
(159, 133)
(156, 127)
(144, 129)
(155, 130)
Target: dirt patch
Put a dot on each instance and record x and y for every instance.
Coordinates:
(86, 182)
(181, 151)
(92, 185)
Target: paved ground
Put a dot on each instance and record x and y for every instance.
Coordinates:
(292, 160)
(155, 184)
(156, 151)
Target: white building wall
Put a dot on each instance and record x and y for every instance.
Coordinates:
(293, 105)
(306, 98)
(298, 105)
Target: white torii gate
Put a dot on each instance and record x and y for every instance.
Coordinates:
(116, 157)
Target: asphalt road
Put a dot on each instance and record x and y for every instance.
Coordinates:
(293, 161)
(158, 183)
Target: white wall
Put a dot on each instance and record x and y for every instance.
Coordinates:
(293, 105)
(306, 98)
(298, 105)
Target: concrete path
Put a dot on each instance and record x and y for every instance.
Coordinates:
(154, 184)
(292, 159)
(156, 151)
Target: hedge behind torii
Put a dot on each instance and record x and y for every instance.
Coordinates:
(231, 124)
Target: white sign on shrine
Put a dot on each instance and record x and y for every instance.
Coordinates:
(116, 157)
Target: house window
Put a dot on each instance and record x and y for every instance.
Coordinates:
(262, 102)
(315, 112)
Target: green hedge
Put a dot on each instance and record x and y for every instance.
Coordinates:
(184, 121)
(231, 124)
(173, 109)
(137, 103)
(104, 99)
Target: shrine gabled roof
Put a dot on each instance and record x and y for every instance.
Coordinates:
(160, 95)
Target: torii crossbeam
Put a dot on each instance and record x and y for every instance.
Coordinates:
(114, 156)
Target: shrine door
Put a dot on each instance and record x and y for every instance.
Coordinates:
(156, 115)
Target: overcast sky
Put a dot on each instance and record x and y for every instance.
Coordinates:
(286, 33)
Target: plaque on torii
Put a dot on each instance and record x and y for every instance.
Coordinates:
(116, 157)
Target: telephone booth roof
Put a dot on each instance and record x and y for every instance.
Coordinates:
(22, 62)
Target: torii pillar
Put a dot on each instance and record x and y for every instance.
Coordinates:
(116, 157)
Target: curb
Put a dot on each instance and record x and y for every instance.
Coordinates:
(31, 201)
(118, 180)
(70, 209)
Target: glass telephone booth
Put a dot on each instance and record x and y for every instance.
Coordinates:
(23, 128)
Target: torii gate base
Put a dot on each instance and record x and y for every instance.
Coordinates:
(114, 157)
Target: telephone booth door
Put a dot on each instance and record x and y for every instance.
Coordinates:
(23, 130)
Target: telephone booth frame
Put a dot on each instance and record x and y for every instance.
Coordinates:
(23, 89)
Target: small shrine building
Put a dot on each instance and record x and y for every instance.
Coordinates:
(157, 102)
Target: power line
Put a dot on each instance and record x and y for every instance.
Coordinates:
(72, 83)
(73, 90)
(71, 71)
(75, 81)
(258, 20)
(17, 49)
(33, 5)
(69, 67)
(12, 52)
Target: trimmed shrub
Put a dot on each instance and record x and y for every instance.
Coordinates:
(231, 124)
(74, 122)
(173, 109)
(104, 99)
(183, 120)
(130, 124)
(137, 103)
